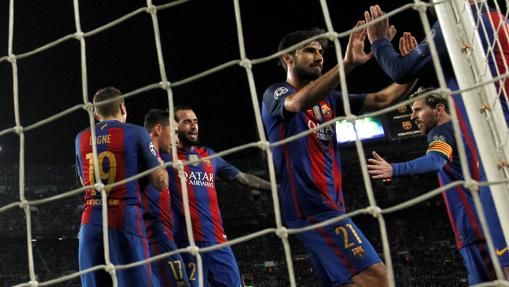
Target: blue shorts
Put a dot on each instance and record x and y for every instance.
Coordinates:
(170, 271)
(124, 248)
(495, 229)
(478, 263)
(338, 251)
(219, 266)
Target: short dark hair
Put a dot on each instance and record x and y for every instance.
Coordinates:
(180, 108)
(111, 108)
(154, 117)
(433, 99)
(295, 37)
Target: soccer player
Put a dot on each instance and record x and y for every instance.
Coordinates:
(171, 271)
(431, 115)
(121, 149)
(309, 169)
(418, 63)
(219, 266)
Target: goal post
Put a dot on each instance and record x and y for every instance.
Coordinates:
(480, 96)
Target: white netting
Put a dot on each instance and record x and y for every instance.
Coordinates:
(498, 139)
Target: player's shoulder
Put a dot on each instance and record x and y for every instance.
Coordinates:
(443, 132)
(135, 129)
(275, 91)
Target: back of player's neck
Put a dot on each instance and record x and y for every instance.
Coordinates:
(111, 118)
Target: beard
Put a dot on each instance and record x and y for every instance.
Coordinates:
(184, 140)
(307, 74)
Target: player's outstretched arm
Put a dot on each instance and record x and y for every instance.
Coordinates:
(252, 181)
(315, 91)
(387, 96)
(400, 67)
(378, 168)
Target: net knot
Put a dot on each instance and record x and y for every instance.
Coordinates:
(263, 145)
(24, 204)
(152, 9)
(471, 185)
(351, 118)
(165, 85)
(420, 6)
(110, 268)
(193, 249)
(99, 186)
(18, 130)
(282, 232)
(79, 35)
(88, 107)
(246, 63)
(375, 211)
(331, 36)
(11, 58)
(33, 283)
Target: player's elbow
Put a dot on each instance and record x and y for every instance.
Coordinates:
(294, 105)
(159, 179)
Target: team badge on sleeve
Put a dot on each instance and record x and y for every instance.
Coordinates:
(279, 92)
(152, 149)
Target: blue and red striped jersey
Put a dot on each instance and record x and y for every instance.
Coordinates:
(122, 149)
(308, 169)
(460, 205)
(442, 157)
(157, 213)
(200, 181)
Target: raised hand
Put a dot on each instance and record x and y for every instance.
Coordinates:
(378, 168)
(407, 43)
(355, 53)
(381, 29)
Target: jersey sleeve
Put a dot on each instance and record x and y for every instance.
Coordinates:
(146, 148)
(225, 170)
(441, 142)
(431, 162)
(400, 68)
(274, 100)
(439, 152)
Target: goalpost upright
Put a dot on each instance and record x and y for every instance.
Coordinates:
(480, 96)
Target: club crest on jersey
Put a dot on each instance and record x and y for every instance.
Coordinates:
(194, 157)
(358, 252)
(279, 92)
(152, 149)
(326, 110)
(406, 125)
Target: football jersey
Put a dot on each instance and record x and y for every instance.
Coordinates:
(200, 181)
(121, 149)
(308, 169)
(460, 205)
(157, 213)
